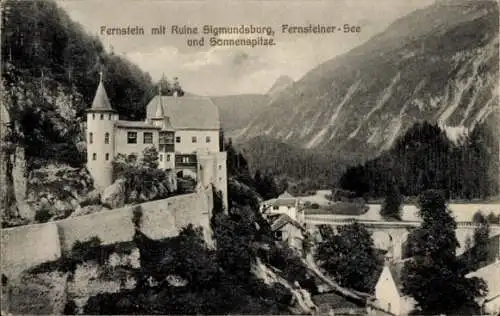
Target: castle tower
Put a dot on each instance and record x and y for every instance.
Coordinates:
(212, 171)
(166, 148)
(100, 138)
(157, 119)
(166, 144)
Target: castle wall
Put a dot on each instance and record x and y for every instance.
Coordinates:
(122, 147)
(221, 175)
(27, 246)
(187, 146)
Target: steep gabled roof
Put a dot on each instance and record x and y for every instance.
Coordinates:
(283, 220)
(186, 112)
(285, 195)
(395, 269)
(101, 101)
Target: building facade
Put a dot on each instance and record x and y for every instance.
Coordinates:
(284, 204)
(184, 130)
(388, 290)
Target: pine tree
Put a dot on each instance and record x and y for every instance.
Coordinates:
(434, 277)
(391, 208)
(349, 256)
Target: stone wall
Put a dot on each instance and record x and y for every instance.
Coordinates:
(27, 246)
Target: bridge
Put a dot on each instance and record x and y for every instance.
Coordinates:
(392, 235)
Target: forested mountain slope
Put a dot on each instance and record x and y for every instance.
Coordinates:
(438, 64)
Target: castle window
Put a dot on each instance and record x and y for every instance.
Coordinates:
(91, 138)
(106, 138)
(107, 156)
(148, 138)
(94, 156)
(102, 116)
(131, 137)
(93, 116)
(178, 139)
(161, 157)
(193, 139)
(168, 157)
(109, 117)
(207, 139)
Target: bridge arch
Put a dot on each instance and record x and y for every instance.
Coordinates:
(390, 240)
(382, 240)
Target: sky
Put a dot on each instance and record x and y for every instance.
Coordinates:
(223, 70)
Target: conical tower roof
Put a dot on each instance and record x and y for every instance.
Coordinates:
(101, 101)
(159, 114)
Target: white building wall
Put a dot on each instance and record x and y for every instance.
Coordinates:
(166, 160)
(214, 171)
(98, 124)
(290, 211)
(221, 175)
(186, 144)
(122, 147)
(386, 292)
(493, 307)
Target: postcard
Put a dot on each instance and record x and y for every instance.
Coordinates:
(257, 157)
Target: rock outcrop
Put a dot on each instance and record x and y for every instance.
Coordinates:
(302, 302)
(114, 195)
(55, 191)
(42, 293)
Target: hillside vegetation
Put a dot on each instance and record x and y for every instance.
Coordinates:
(50, 71)
(438, 64)
(424, 158)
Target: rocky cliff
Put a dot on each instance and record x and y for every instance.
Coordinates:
(48, 80)
(438, 64)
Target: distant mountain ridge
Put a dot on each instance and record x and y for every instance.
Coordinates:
(237, 111)
(282, 83)
(438, 64)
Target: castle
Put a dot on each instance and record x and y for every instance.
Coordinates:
(184, 130)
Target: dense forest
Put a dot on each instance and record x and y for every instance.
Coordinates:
(425, 158)
(50, 71)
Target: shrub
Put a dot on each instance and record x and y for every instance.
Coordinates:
(43, 215)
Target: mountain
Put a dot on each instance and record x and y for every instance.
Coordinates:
(295, 164)
(237, 110)
(438, 64)
(279, 85)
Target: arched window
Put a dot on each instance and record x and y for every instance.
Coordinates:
(93, 116)
(107, 156)
(168, 157)
(91, 138)
(102, 116)
(161, 157)
(109, 117)
(94, 156)
(106, 138)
